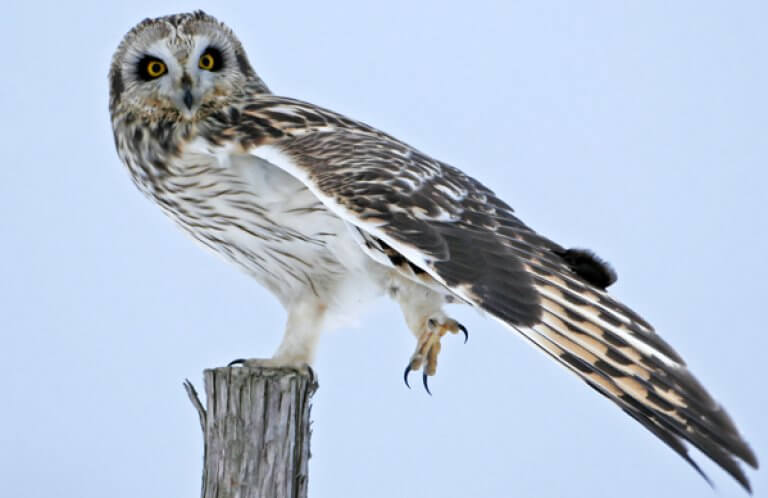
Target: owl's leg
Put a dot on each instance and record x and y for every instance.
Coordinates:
(422, 309)
(302, 330)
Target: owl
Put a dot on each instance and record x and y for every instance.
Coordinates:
(327, 213)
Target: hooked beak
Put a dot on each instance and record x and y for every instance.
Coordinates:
(189, 99)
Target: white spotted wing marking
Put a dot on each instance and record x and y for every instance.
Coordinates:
(582, 327)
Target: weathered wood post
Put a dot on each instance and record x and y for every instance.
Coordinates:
(256, 430)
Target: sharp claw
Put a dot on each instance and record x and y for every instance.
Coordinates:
(426, 386)
(405, 375)
(239, 361)
(464, 330)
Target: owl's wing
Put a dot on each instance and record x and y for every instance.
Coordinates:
(452, 227)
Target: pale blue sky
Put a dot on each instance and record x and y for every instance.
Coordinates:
(638, 131)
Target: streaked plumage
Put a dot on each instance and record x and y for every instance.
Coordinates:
(328, 212)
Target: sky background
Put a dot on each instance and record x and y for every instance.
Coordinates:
(636, 130)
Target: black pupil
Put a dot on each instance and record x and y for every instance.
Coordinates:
(212, 59)
(150, 68)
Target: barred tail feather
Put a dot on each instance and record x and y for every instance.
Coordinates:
(646, 383)
(436, 222)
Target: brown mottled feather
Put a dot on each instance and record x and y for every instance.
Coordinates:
(430, 221)
(472, 243)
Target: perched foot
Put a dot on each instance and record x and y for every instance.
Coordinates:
(428, 346)
(300, 367)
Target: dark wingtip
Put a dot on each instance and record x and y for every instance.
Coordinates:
(589, 266)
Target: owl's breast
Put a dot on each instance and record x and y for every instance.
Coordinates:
(260, 218)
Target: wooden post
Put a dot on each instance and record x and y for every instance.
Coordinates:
(256, 432)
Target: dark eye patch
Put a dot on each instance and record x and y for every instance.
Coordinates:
(218, 58)
(144, 65)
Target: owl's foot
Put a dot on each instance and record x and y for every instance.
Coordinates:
(428, 347)
(300, 367)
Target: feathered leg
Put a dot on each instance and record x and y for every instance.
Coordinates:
(423, 311)
(302, 330)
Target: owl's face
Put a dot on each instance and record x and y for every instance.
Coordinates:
(176, 65)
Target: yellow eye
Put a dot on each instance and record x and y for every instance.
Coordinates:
(155, 68)
(150, 68)
(211, 60)
(207, 62)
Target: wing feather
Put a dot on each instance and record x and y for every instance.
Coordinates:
(451, 227)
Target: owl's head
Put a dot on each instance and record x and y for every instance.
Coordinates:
(178, 65)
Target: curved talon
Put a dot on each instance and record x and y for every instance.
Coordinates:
(405, 375)
(464, 330)
(426, 386)
(238, 361)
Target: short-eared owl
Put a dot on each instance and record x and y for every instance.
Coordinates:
(328, 212)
